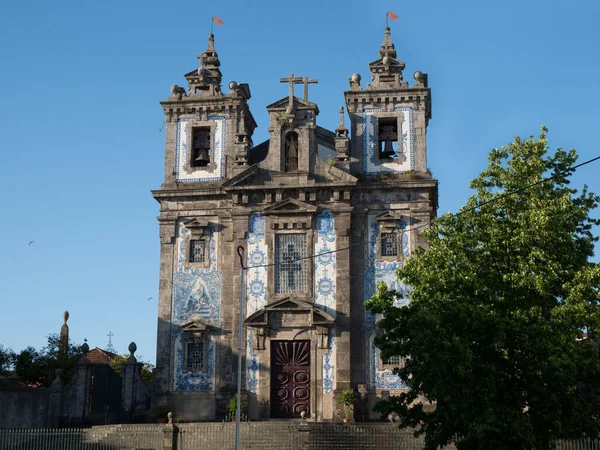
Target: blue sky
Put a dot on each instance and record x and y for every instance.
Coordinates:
(80, 119)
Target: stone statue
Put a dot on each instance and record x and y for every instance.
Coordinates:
(291, 152)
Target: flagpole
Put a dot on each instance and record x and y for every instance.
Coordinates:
(386, 20)
(212, 20)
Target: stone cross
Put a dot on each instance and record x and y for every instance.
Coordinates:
(298, 80)
(291, 80)
(306, 81)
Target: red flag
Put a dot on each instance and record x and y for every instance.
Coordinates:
(220, 22)
(391, 15)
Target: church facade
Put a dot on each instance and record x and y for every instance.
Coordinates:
(319, 218)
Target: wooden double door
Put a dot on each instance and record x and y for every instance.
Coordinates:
(290, 379)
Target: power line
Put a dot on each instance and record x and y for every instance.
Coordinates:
(403, 230)
(516, 191)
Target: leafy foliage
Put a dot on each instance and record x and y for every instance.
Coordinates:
(7, 357)
(493, 333)
(38, 368)
(119, 361)
(347, 397)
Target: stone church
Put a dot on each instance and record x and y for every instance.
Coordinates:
(320, 216)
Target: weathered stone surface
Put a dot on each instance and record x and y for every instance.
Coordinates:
(329, 191)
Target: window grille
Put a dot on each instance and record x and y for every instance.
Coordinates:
(395, 360)
(290, 269)
(389, 244)
(195, 356)
(198, 250)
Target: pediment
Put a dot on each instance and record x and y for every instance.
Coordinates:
(195, 326)
(195, 223)
(243, 178)
(198, 73)
(396, 63)
(290, 206)
(388, 216)
(290, 307)
(298, 104)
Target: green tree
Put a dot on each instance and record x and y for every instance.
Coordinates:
(119, 361)
(38, 368)
(493, 333)
(7, 357)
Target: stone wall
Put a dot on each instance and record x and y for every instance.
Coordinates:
(23, 407)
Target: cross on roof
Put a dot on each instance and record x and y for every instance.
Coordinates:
(306, 81)
(110, 346)
(297, 80)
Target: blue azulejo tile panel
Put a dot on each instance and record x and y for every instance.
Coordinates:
(329, 359)
(375, 272)
(252, 362)
(217, 152)
(325, 287)
(196, 295)
(403, 160)
(256, 275)
(256, 291)
(193, 382)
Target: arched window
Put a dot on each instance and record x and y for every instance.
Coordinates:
(291, 151)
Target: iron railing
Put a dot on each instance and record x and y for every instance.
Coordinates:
(97, 438)
(221, 436)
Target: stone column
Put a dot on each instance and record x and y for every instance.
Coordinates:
(55, 401)
(343, 314)
(240, 230)
(163, 372)
(63, 343)
(170, 146)
(169, 433)
(82, 384)
(129, 385)
(357, 288)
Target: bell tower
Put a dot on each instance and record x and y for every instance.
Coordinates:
(209, 133)
(293, 130)
(388, 118)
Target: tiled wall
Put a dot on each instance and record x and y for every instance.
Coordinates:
(376, 271)
(196, 294)
(325, 289)
(256, 291)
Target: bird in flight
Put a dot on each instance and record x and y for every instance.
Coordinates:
(31, 242)
(149, 298)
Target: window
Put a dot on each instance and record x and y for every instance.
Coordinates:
(290, 269)
(200, 151)
(389, 244)
(395, 360)
(388, 137)
(195, 356)
(197, 253)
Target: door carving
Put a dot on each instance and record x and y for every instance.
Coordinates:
(290, 378)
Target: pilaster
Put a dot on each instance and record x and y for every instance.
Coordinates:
(343, 306)
(163, 372)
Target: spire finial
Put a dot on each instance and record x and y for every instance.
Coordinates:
(210, 58)
(341, 130)
(387, 46)
(211, 43)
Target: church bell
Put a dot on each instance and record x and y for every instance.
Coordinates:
(203, 158)
(388, 150)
